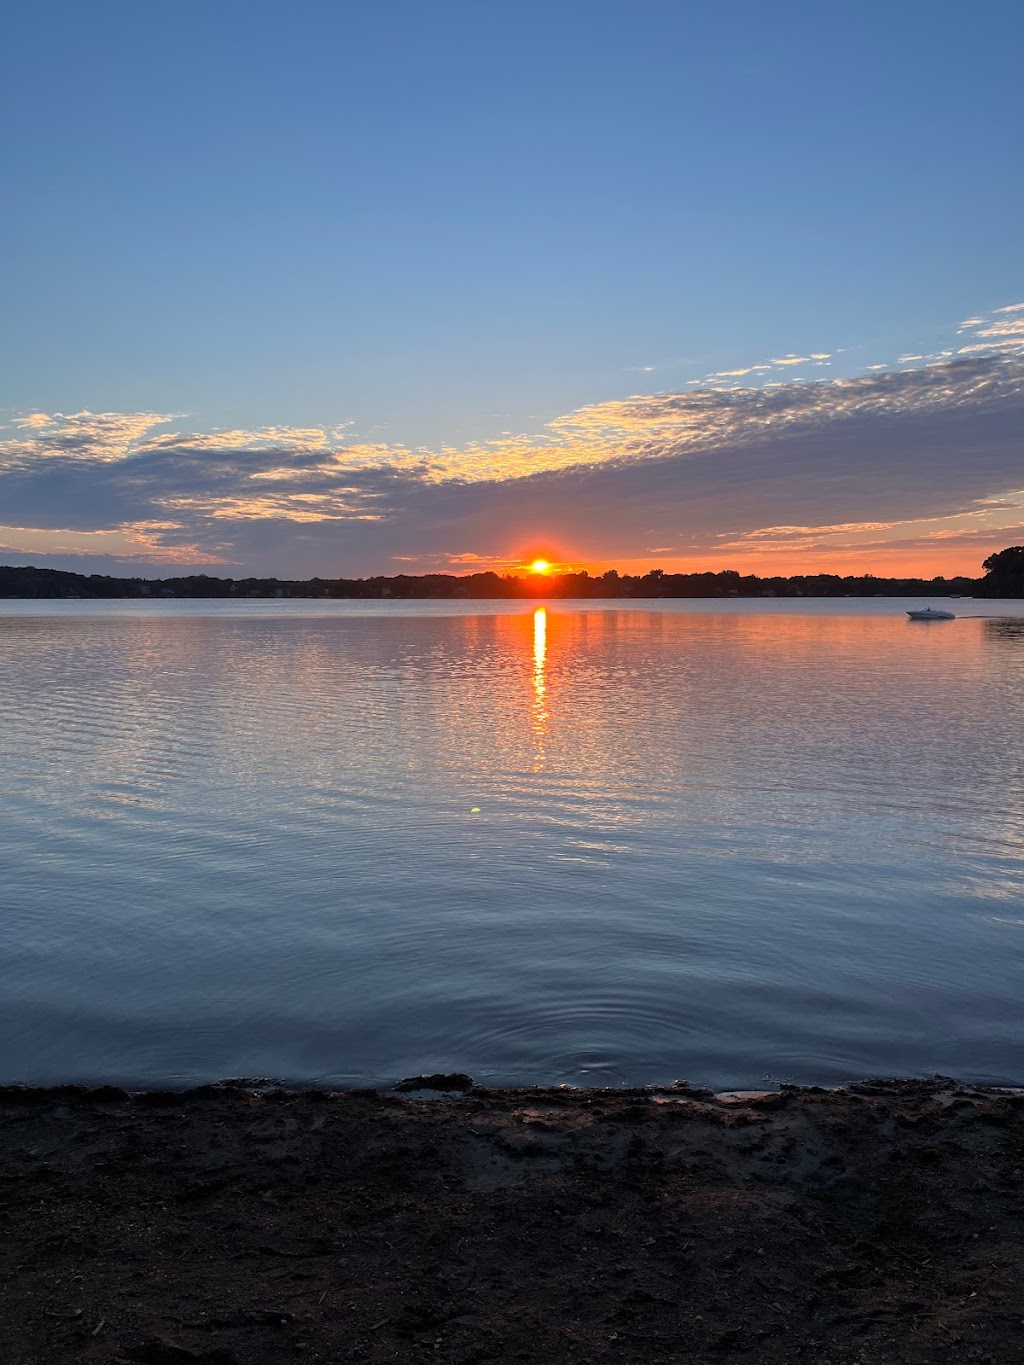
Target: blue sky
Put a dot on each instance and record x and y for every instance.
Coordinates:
(428, 225)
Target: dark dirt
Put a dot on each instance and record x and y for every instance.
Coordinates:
(241, 1225)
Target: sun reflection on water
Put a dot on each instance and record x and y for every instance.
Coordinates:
(540, 711)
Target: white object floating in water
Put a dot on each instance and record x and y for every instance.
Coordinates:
(931, 614)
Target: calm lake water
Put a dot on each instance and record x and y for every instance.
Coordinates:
(591, 843)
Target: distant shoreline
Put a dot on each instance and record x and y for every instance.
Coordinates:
(30, 583)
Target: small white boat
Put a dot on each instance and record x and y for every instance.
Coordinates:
(931, 614)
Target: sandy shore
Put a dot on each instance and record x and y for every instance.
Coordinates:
(240, 1225)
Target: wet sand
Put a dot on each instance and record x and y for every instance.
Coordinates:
(244, 1225)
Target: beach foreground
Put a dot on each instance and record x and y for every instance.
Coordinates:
(244, 1225)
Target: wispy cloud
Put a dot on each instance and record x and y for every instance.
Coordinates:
(1002, 331)
(1009, 327)
(93, 437)
(734, 374)
(779, 365)
(140, 543)
(887, 458)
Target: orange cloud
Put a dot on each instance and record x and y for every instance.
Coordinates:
(873, 467)
(139, 542)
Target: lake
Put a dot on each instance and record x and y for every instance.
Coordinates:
(595, 843)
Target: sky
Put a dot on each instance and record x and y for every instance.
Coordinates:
(353, 288)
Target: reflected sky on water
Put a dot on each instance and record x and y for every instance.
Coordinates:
(559, 842)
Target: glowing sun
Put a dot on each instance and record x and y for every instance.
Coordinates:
(540, 566)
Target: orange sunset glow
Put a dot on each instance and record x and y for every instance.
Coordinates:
(785, 480)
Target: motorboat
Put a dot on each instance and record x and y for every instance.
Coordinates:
(930, 614)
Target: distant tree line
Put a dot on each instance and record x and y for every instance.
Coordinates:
(1004, 577)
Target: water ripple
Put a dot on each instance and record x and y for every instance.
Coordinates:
(348, 843)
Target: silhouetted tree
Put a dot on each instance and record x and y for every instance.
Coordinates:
(1004, 573)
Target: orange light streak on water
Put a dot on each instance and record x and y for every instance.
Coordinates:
(540, 711)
